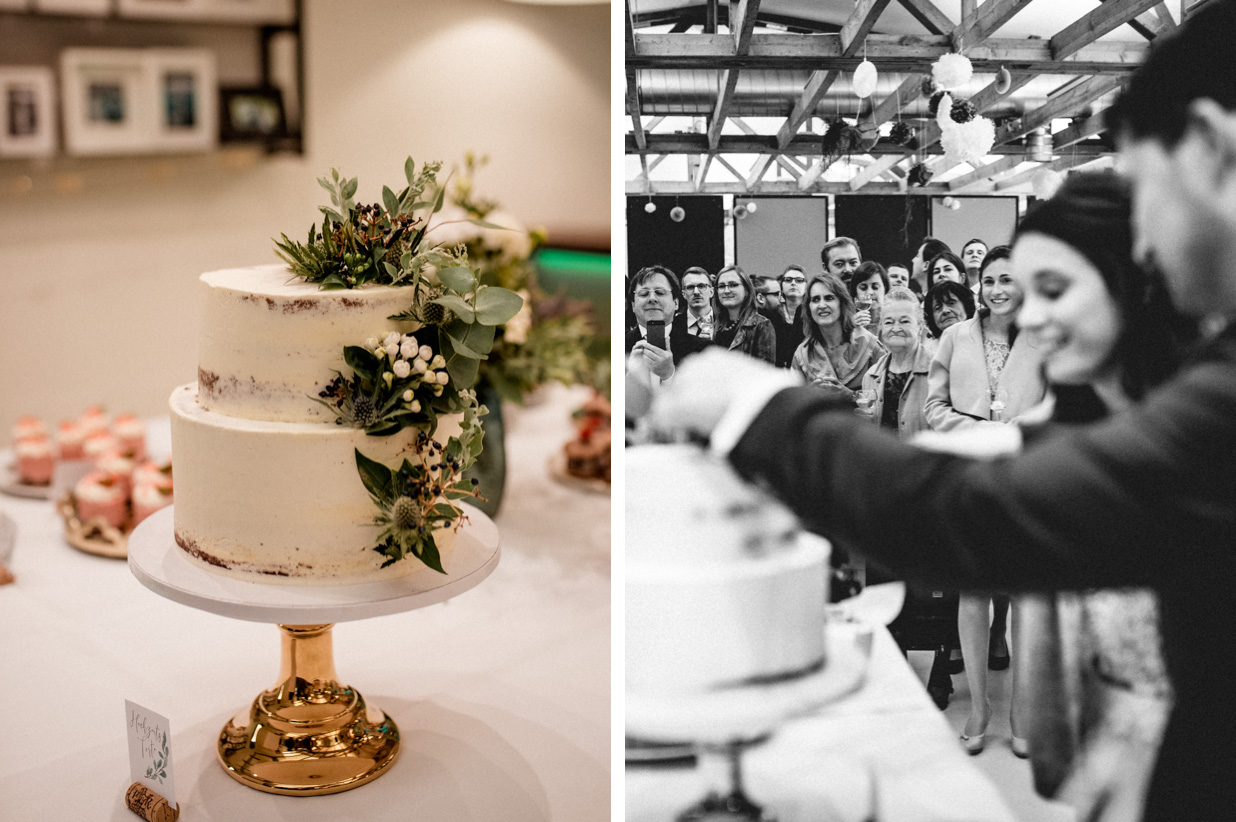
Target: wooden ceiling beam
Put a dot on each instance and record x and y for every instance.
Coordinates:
(987, 172)
(743, 24)
(721, 159)
(929, 15)
(880, 166)
(779, 188)
(1062, 105)
(1059, 164)
(803, 145)
(892, 53)
(702, 173)
(1106, 18)
(817, 86)
(727, 82)
(756, 177)
(984, 21)
(859, 24)
(910, 90)
(814, 173)
(1080, 130)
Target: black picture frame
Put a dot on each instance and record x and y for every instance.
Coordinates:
(252, 114)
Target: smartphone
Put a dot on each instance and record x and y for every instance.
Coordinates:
(656, 333)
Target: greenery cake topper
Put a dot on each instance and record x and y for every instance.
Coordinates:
(407, 380)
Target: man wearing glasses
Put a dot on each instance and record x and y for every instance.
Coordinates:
(653, 296)
(787, 319)
(697, 286)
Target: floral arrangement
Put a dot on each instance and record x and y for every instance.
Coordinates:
(549, 339)
(408, 380)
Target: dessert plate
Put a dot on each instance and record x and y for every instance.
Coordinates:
(93, 536)
(11, 484)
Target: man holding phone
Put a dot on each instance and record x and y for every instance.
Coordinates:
(657, 343)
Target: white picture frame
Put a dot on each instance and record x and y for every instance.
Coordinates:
(107, 100)
(229, 11)
(85, 8)
(185, 89)
(27, 111)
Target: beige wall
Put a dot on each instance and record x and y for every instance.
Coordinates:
(98, 299)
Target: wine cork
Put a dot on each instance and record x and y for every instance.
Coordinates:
(149, 805)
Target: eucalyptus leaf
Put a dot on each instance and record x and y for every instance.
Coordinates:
(409, 171)
(462, 370)
(495, 306)
(462, 348)
(457, 304)
(390, 200)
(430, 555)
(457, 278)
(349, 188)
(330, 212)
(477, 337)
(324, 183)
(378, 479)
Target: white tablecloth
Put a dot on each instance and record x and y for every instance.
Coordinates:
(820, 768)
(502, 695)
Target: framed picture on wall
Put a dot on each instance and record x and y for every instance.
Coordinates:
(106, 101)
(251, 115)
(86, 8)
(232, 11)
(27, 111)
(186, 99)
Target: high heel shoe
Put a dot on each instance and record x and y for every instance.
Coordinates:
(974, 744)
(1021, 747)
(997, 661)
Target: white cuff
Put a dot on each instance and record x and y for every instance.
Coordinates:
(750, 401)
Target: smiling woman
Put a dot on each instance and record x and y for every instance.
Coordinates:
(835, 353)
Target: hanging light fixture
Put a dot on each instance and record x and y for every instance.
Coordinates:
(1038, 146)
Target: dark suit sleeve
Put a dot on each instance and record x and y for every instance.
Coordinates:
(765, 342)
(1144, 496)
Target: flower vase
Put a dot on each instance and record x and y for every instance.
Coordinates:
(490, 467)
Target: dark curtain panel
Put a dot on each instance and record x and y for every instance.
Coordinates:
(655, 239)
(889, 229)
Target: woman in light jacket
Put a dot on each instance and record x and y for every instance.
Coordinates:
(835, 353)
(739, 326)
(984, 373)
(899, 377)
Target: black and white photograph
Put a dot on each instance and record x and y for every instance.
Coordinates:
(929, 398)
(27, 111)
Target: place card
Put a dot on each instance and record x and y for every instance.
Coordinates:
(150, 750)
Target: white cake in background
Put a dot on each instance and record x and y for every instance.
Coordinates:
(267, 487)
(723, 589)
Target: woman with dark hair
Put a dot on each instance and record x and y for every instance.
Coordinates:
(985, 374)
(947, 303)
(928, 250)
(739, 326)
(1099, 690)
(945, 266)
(868, 285)
(835, 353)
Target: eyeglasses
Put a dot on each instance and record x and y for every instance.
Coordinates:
(644, 293)
(794, 280)
(696, 287)
(728, 286)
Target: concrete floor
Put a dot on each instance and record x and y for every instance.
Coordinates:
(1010, 774)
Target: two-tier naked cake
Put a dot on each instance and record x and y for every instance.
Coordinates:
(267, 487)
(723, 591)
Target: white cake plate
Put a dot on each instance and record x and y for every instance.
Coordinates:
(160, 565)
(309, 734)
(723, 717)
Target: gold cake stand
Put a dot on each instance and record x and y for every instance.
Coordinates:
(310, 734)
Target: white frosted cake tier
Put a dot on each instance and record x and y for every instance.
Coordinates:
(269, 343)
(283, 502)
(723, 588)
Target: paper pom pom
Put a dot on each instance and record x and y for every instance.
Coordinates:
(928, 86)
(933, 105)
(920, 175)
(677, 214)
(865, 78)
(963, 111)
(1044, 182)
(970, 141)
(835, 140)
(901, 134)
(650, 206)
(952, 71)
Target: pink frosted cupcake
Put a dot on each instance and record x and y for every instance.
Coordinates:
(71, 438)
(116, 465)
(100, 496)
(98, 444)
(158, 474)
(93, 419)
(36, 460)
(147, 499)
(130, 432)
(28, 428)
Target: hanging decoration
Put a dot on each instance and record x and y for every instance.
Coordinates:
(1045, 181)
(933, 105)
(963, 111)
(865, 77)
(952, 71)
(650, 206)
(902, 133)
(868, 135)
(1004, 81)
(928, 86)
(920, 175)
(840, 138)
(677, 214)
(951, 203)
(963, 141)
